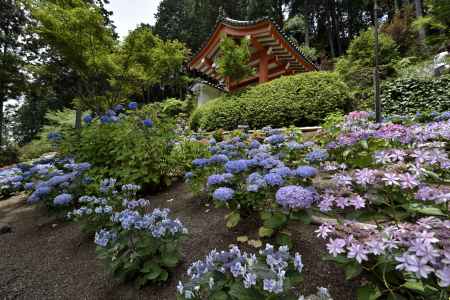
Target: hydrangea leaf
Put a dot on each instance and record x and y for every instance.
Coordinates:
(352, 270)
(368, 292)
(265, 232)
(233, 219)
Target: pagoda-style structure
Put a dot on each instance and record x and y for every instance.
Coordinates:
(273, 53)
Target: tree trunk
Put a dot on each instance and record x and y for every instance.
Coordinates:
(307, 11)
(396, 6)
(376, 76)
(330, 32)
(1, 122)
(419, 14)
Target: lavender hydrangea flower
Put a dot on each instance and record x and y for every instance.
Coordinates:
(274, 179)
(293, 196)
(317, 155)
(103, 237)
(223, 194)
(275, 139)
(236, 166)
(63, 199)
(306, 171)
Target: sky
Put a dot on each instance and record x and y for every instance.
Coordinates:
(127, 14)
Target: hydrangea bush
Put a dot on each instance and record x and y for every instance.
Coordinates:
(134, 243)
(268, 173)
(233, 274)
(57, 182)
(130, 143)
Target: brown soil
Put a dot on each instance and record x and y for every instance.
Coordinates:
(48, 258)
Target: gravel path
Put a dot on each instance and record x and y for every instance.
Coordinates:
(47, 258)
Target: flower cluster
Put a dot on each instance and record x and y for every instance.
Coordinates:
(272, 272)
(116, 113)
(420, 248)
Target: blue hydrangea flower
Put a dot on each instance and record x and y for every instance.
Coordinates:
(87, 119)
(273, 179)
(255, 181)
(306, 171)
(218, 159)
(103, 237)
(54, 136)
(317, 155)
(132, 105)
(200, 162)
(223, 194)
(63, 199)
(293, 196)
(282, 171)
(118, 108)
(147, 123)
(188, 175)
(236, 166)
(275, 139)
(105, 119)
(255, 144)
(216, 179)
(29, 186)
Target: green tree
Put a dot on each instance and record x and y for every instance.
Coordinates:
(356, 66)
(77, 32)
(13, 23)
(233, 61)
(145, 60)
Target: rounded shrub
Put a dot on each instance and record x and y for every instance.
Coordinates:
(412, 95)
(301, 100)
(224, 112)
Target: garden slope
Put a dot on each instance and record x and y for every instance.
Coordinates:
(46, 258)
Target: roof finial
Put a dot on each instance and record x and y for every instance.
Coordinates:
(222, 13)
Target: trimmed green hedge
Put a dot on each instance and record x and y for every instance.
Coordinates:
(412, 95)
(301, 100)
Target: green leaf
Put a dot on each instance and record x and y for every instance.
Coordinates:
(368, 292)
(169, 260)
(219, 295)
(414, 285)
(302, 215)
(276, 221)
(424, 209)
(352, 270)
(265, 232)
(151, 270)
(284, 239)
(238, 291)
(233, 219)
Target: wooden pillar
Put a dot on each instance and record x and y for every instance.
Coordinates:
(264, 67)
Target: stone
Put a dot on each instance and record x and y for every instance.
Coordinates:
(5, 228)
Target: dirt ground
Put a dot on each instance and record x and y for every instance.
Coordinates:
(48, 258)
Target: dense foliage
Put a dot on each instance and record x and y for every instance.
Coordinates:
(304, 99)
(415, 95)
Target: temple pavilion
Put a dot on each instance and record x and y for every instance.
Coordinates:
(273, 53)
